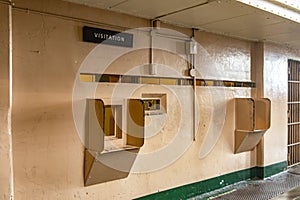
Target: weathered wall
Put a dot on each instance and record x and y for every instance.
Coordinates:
(276, 87)
(48, 153)
(4, 104)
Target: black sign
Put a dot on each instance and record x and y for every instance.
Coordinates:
(97, 35)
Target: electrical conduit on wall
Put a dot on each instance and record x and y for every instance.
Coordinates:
(10, 103)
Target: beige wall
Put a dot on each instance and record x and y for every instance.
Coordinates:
(275, 81)
(48, 154)
(4, 104)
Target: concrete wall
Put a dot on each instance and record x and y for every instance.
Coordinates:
(275, 81)
(4, 105)
(48, 153)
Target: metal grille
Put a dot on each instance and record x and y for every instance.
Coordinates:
(264, 189)
(293, 112)
(256, 190)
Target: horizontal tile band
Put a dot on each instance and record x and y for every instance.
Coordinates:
(135, 79)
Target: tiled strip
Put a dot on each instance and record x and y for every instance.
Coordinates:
(134, 79)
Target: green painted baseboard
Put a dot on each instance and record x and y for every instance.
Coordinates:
(264, 172)
(198, 188)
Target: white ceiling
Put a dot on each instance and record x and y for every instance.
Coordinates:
(227, 17)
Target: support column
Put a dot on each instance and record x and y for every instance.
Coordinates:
(257, 76)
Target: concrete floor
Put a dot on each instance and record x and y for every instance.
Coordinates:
(283, 186)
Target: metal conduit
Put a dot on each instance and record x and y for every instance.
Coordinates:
(9, 120)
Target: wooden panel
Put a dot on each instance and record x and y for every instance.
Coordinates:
(262, 114)
(252, 121)
(245, 120)
(118, 120)
(94, 125)
(109, 122)
(135, 123)
(108, 167)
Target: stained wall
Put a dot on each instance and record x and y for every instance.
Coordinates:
(48, 153)
(275, 81)
(4, 104)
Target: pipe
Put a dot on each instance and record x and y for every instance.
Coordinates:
(194, 101)
(152, 70)
(9, 117)
(195, 92)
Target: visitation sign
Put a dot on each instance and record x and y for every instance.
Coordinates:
(97, 35)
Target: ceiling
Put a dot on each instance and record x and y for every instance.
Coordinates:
(238, 18)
